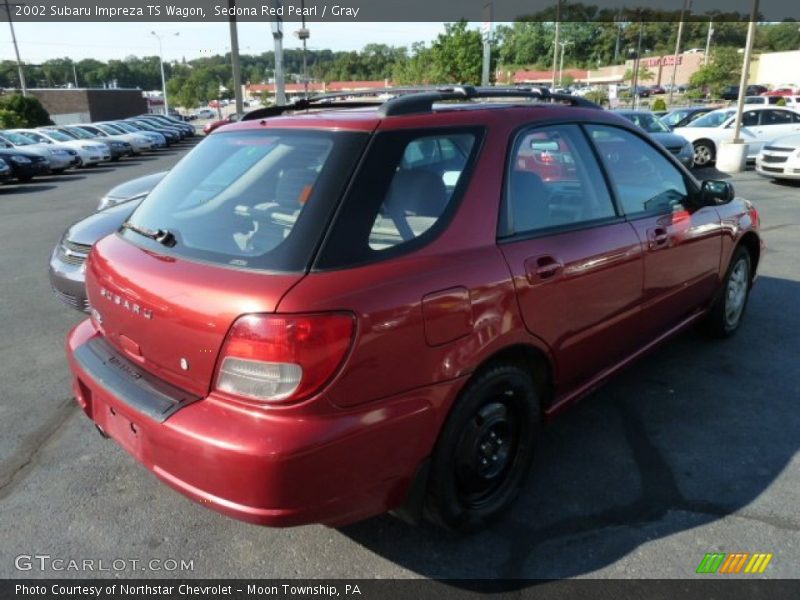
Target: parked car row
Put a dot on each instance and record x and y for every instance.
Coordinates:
(30, 152)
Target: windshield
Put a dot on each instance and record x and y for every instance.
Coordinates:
(124, 127)
(36, 137)
(107, 129)
(674, 117)
(58, 136)
(80, 133)
(713, 119)
(143, 126)
(647, 122)
(242, 198)
(17, 138)
(94, 131)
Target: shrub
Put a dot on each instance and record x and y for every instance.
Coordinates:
(597, 96)
(781, 102)
(9, 119)
(659, 104)
(27, 108)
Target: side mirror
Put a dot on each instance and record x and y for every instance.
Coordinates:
(715, 192)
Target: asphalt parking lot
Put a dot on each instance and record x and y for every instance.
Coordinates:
(693, 450)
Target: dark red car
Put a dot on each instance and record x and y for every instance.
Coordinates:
(321, 317)
(231, 118)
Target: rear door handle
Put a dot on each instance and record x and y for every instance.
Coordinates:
(657, 237)
(539, 268)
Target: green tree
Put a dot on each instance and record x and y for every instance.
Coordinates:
(645, 74)
(30, 111)
(723, 69)
(457, 54)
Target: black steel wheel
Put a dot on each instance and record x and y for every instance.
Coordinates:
(484, 450)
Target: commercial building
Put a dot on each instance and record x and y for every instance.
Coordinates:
(80, 105)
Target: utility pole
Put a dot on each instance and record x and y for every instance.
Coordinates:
(636, 66)
(75, 74)
(21, 72)
(237, 75)
(277, 37)
(163, 77)
(555, 43)
(687, 6)
(618, 19)
(748, 51)
(708, 42)
(563, 45)
(303, 34)
(487, 44)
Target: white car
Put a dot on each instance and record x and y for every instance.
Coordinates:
(206, 113)
(139, 142)
(760, 124)
(780, 158)
(790, 101)
(86, 153)
(100, 151)
(100, 135)
(59, 158)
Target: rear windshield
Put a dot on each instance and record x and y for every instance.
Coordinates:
(255, 199)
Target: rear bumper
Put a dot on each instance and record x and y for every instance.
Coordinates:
(268, 467)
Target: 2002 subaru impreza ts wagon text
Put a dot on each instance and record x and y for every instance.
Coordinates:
(328, 314)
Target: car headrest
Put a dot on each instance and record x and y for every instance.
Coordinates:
(418, 192)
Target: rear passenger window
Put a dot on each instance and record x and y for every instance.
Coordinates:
(402, 196)
(554, 181)
(421, 188)
(645, 181)
(776, 117)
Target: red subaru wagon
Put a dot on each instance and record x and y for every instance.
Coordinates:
(323, 315)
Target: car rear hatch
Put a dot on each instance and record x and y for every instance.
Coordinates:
(227, 232)
(171, 316)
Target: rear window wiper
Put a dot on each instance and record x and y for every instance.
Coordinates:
(162, 236)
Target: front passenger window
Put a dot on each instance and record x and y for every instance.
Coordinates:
(554, 181)
(645, 180)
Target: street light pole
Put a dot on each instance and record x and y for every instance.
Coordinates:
(21, 72)
(555, 44)
(163, 77)
(563, 45)
(277, 36)
(687, 6)
(708, 41)
(235, 63)
(748, 51)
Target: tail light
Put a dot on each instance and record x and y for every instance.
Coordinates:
(274, 358)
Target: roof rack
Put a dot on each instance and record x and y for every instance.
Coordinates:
(415, 100)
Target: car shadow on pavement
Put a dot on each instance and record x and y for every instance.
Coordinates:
(690, 434)
(26, 188)
(788, 183)
(63, 178)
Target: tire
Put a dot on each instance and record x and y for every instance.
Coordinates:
(25, 179)
(704, 154)
(727, 311)
(484, 450)
(57, 171)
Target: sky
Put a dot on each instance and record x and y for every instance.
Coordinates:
(41, 41)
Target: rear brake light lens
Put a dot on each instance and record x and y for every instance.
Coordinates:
(275, 358)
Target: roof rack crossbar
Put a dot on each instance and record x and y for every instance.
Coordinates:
(415, 100)
(418, 103)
